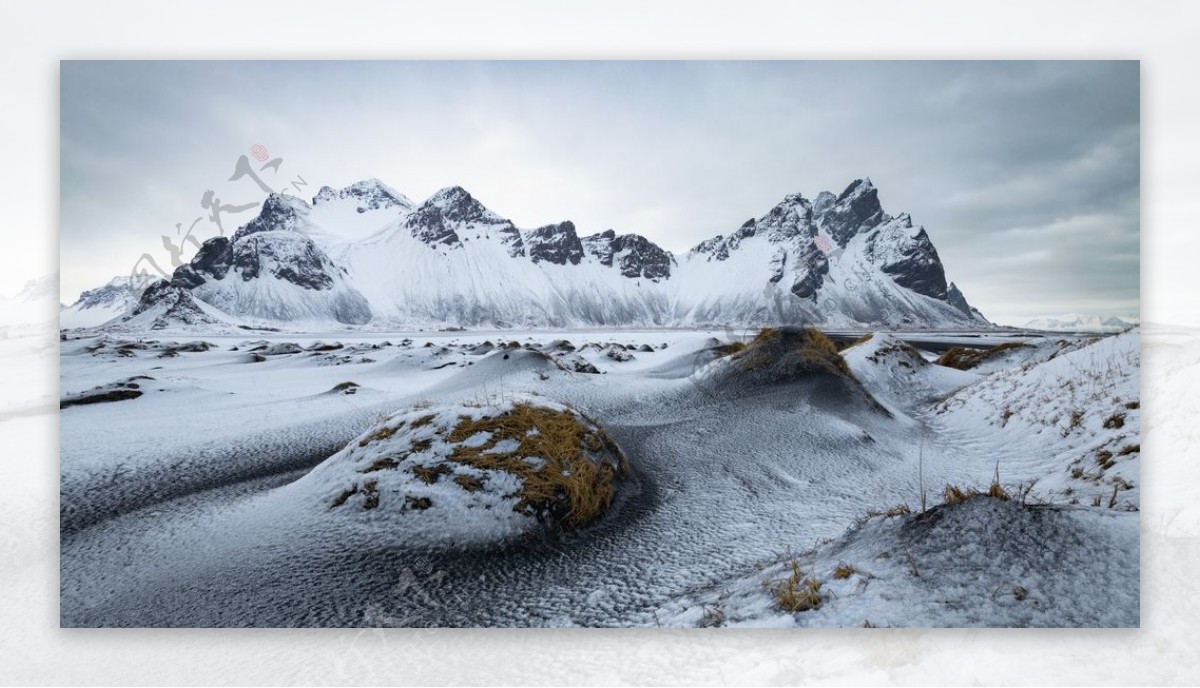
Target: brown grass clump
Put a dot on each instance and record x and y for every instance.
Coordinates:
(1129, 449)
(418, 503)
(430, 474)
(898, 510)
(817, 350)
(996, 491)
(573, 484)
(1133, 405)
(730, 348)
(469, 482)
(965, 358)
(821, 350)
(1076, 419)
(1115, 421)
(381, 434)
(798, 593)
(1104, 459)
(842, 346)
(953, 494)
(343, 496)
(383, 464)
(423, 421)
(370, 495)
(843, 571)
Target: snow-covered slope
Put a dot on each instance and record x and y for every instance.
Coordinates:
(453, 260)
(98, 306)
(366, 253)
(355, 212)
(1069, 416)
(898, 375)
(271, 270)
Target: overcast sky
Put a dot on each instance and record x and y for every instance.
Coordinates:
(1025, 174)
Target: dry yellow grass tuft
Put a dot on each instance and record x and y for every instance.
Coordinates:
(430, 474)
(964, 358)
(842, 346)
(560, 461)
(565, 462)
(370, 494)
(386, 463)
(469, 482)
(342, 496)
(953, 494)
(381, 434)
(843, 571)
(798, 593)
(423, 421)
(729, 348)
(815, 349)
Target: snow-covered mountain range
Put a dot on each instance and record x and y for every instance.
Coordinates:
(33, 304)
(1076, 322)
(367, 254)
(98, 306)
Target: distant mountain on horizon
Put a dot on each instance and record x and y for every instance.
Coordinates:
(368, 255)
(1076, 322)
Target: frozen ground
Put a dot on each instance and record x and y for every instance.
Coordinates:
(179, 505)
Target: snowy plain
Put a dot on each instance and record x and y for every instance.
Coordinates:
(181, 507)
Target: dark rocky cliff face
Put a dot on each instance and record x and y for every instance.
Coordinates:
(856, 210)
(557, 244)
(909, 259)
(636, 257)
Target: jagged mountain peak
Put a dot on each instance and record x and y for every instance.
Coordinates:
(790, 218)
(855, 210)
(279, 212)
(858, 187)
(439, 219)
(371, 194)
(458, 205)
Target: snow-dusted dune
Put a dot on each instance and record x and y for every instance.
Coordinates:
(190, 504)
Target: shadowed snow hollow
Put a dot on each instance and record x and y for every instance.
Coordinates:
(469, 474)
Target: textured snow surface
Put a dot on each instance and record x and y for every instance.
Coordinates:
(1069, 414)
(200, 501)
(982, 562)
